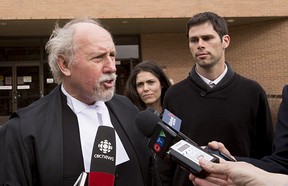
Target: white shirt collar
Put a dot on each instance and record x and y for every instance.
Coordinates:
(217, 80)
(78, 106)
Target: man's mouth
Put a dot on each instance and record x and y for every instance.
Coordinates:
(108, 83)
(202, 55)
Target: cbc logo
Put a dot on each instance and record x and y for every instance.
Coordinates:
(105, 146)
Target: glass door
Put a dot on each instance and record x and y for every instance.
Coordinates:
(19, 87)
(124, 68)
(6, 91)
(27, 85)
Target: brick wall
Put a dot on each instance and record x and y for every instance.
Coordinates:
(259, 51)
(168, 49)
(15, 9)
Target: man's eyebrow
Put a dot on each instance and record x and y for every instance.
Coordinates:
(204, 35)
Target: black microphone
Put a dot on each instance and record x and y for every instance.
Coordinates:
(154, 111)
(148, 119)
(162, 136)
(102, 168)
(166, 140)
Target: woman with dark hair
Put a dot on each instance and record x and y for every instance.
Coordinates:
(146, 86)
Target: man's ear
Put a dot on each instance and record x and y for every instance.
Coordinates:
(63, 65)
(226, 41)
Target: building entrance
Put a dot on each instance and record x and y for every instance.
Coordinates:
(19, 86)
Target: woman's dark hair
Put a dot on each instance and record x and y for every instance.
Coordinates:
(219, 24)
(147, 66)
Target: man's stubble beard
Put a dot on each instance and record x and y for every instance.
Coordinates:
(105, 94)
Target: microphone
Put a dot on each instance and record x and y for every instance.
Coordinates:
(161, 136)
(148, 119)
(166, 140)
(154, 111)
(102, 168)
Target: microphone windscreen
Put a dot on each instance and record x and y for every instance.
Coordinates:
(146, 121)
(100, 179)
(153, 111)
(95, 179)
(104, 151)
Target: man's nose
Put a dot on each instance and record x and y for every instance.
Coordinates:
(110, 64)
(200, 44)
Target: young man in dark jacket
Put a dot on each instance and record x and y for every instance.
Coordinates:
(216, 103)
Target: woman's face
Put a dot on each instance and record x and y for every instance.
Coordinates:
(148, 88)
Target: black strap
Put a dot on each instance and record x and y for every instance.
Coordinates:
(72, 153)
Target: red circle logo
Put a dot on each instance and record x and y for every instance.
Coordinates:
(157, 147)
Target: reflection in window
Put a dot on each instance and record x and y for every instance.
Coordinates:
(127, 51)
